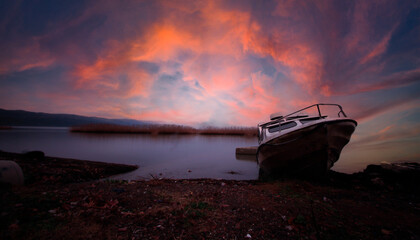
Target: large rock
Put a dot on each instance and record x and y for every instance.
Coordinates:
(10, 172)
(400, 175)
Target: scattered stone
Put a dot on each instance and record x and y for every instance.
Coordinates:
(118, 190)
(197, 208)
(377, 181)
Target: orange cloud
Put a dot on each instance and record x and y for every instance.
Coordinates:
(209, 45)
(303, 62)
(216, 45)
(386, 129)
(203, 61)
(111, 72)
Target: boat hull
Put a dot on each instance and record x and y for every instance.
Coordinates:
(310, 151)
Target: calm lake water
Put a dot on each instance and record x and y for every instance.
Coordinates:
(168, 156)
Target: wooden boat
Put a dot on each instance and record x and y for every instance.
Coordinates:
(298, 144)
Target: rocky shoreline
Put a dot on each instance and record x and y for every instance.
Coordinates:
(64, 199)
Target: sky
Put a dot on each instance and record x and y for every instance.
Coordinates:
(221, 63)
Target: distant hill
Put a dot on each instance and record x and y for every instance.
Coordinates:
(25, 118)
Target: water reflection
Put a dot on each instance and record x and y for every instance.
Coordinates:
(182, 156)
(246, 157)
(170, 156)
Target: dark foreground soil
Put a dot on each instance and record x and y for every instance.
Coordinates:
(61, 201)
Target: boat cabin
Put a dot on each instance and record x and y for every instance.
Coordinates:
(284, 124)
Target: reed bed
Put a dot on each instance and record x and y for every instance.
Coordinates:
(164, 129)
(241, 131)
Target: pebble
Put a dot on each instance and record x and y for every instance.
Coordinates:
(290, 228)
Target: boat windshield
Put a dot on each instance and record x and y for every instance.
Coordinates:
(283, 126)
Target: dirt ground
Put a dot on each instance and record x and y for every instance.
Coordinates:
(62, 199)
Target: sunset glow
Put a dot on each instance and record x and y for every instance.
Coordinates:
(217, 63)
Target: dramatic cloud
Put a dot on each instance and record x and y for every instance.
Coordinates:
(209, 62)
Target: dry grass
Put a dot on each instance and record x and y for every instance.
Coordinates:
(241, 131)
(164, 129)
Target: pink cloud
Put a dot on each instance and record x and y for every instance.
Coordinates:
(218, 55)
(364, 112)
(26, 57)
(395, 80)
(389, 134)
(379, 48)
